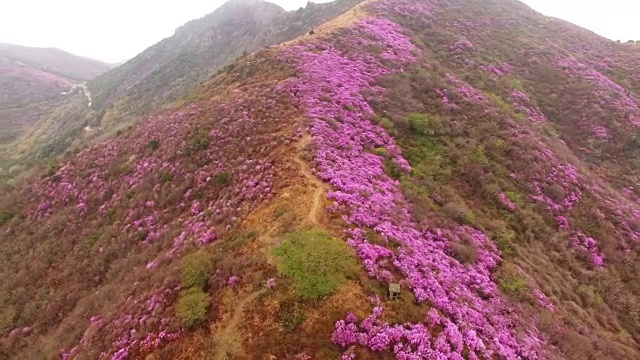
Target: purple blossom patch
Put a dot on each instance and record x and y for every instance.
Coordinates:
(467, 300)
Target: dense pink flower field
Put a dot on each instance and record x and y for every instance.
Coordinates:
(463, 299)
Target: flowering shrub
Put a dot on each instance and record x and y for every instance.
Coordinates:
(131, 205)
(560, 190)
(461, 47)
(446, 102)
(186, 179)
(271, 283)
(369, 199)
(499, 70)
(601, 132)
(467, 91)
(624, 214)
(144, 223)
(405, 8)
(522, 103)
(563, 184)
(504, 199)
(442, 93)
(233, 281)
(153, 314)
(609, 93)
(543, 300)
(590, 245)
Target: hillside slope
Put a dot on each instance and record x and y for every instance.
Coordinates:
(162, 75)
(475, 152)
(31, 83)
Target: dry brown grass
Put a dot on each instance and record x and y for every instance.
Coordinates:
(259, 332)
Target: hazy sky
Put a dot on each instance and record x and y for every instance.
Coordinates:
(116, 30)
(614, 19)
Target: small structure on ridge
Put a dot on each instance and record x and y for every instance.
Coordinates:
(394, 291)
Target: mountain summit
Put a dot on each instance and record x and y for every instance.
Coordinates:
(410, 179)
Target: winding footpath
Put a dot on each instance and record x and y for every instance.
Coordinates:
(228, 337)
(312, 217)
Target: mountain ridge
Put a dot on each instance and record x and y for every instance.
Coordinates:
(468, 150)
(72, 66)
(32, 81)
(162, 76)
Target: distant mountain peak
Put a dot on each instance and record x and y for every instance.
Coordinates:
(247, 2)
(62, 62)
(258, 7)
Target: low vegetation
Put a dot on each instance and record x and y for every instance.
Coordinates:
(316, 262)
(196, 269)
(480, 155)
(192, 307)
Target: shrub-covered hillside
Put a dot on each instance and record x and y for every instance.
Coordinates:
(32, 81)
(476, 152)
(164, 75)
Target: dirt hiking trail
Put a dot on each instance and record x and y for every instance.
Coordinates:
(229, 340)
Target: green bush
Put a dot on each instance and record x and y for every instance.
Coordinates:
(514, 196)
(505, 242)
(195, 269)
(316, 262)
(142, 234)
(511, 83)
(555, 192)
(499, 103)
(418, 123)
(7, 316)
(192, 307)
(392, 169)
(200, 142)
(423, 125)
(428, 157)
(480, 156)
(5, 216)
(154, 144)
(512, 283)
(465, 251)
(386, 124)
(590, 296)
(223, 178)
(166, 176)
(500, 145)
(466, 254)
(53, 169)
(381, 151)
